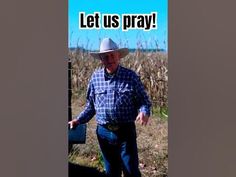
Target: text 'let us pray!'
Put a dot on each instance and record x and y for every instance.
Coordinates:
(127, 22)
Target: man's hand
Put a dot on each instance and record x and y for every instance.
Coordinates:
(73, 123)
(142, 119)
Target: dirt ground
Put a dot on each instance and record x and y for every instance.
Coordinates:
(152, 147)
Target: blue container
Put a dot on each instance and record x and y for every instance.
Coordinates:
(77, 135)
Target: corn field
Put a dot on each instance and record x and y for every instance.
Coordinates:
(151, 66)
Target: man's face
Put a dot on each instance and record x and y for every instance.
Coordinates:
(111, 61)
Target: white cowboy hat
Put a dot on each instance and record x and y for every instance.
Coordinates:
(107, 45)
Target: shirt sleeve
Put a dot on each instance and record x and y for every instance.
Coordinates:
(143, 102)
(89, 110)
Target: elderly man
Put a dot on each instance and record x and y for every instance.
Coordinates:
(117, 97)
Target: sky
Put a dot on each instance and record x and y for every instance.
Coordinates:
(90, 38)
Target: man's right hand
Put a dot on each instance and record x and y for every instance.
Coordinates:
(73, 123)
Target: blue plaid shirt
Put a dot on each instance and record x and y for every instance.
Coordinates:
(115, 99)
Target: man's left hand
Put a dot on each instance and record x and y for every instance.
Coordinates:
(142, 119)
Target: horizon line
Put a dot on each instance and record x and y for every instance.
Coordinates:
(131, 49)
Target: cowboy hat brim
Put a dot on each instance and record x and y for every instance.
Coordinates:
(122, 51)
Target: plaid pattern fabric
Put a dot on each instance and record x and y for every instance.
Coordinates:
(115, 99)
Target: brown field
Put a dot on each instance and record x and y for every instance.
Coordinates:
(152, 68)
(152, 147)
(153, 138)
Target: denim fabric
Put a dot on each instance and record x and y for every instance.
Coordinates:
(119, 150)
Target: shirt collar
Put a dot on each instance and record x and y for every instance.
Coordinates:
(116, 74)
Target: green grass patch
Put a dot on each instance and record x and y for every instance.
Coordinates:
(161, 112)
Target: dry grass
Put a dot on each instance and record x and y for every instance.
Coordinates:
(152, 147)
(152, 68)
(152, 139)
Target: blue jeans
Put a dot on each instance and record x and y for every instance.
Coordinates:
(119, 150)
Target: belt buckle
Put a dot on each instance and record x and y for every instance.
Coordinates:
(113, 127)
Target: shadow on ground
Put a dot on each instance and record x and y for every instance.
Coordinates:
(76, 170)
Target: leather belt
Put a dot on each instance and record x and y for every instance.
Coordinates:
(112, 127)
(115, 127)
